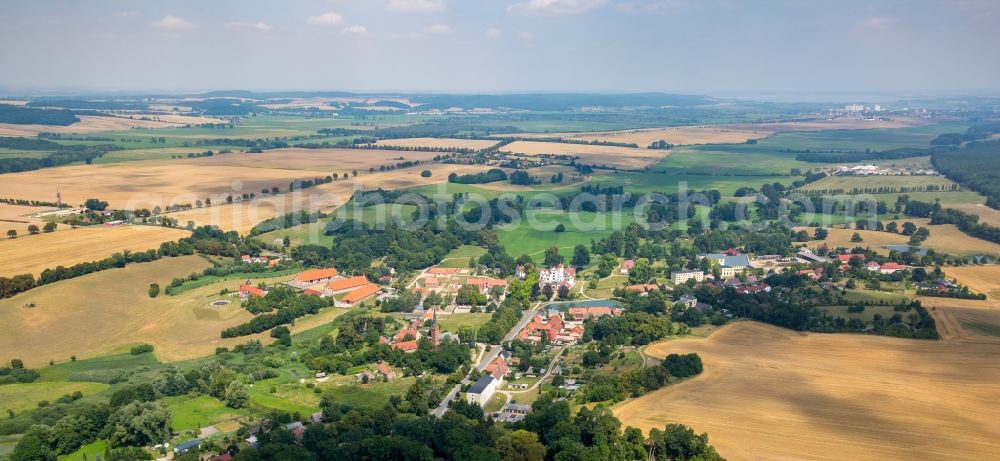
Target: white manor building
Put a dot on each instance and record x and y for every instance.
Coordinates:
(556, 276)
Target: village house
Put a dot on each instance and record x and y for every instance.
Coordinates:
(752, 289)
(247, 259)
(688, 301)
(813, 274)
(846, 258)
(627, 266)
(497, 368)
(679, 277)
(520, 273)
(383, 370)
(890, 268)
(557, 276)
(247, 291)
(873, 266)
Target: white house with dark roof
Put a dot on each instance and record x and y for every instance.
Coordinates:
(482, 390)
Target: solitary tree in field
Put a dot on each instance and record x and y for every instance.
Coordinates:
(32, 229)
(49, 227)
(354, 172)
(856, 238)
(12, 234)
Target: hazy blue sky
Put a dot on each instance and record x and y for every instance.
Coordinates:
(713, 46)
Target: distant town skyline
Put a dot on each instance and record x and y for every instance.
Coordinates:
(860, 50)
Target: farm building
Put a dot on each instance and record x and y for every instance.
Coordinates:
(583, 313)
(342, 285)
(361, 294)
(315, 276)
(485, 284)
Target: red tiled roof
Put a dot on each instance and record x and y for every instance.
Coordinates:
(316, 274)
(643, 288)
(252, 290)
(348, 283)
(486, 281)
(405, 346)
(442, 270)
(361, 293)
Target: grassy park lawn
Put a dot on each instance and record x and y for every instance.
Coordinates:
(532, 238)
(459, 257)
(453, 322)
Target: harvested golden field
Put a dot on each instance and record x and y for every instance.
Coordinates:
(30, 254)
(981, 279)
(967, 320)
(873, 239)
(681, 135)
(319, 161)
(244, 216)
(945, 238)
(109, 311)
(621, 157)
(87, 124)
(19, 217)
(438, 143)
(986, 214)
(771, 393)
(948, 239)
(143, 184)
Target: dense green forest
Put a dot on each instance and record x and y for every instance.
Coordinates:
(975, 166)
(31, 116)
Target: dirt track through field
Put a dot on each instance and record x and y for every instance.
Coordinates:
(771, 393)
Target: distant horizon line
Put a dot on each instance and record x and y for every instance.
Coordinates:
(765, 96)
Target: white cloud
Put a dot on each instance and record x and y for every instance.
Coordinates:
(651, 6)
(438, 29)
(492, 32)
(875, 22)
(171, 22)
(360, 30)
(555, 7)
(326, 19)
(523, 35)
(416, 6)
(263, 27)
